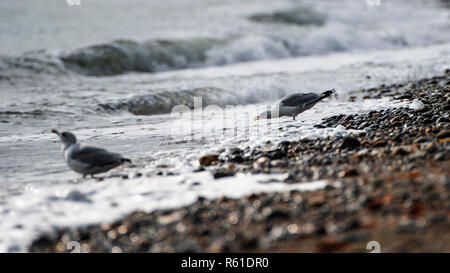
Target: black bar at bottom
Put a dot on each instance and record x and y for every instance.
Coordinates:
(229, 262)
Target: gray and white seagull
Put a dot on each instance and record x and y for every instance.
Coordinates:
(87, 160)
(294, 104)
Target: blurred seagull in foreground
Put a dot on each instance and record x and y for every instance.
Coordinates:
(87, 160)
(294, 104)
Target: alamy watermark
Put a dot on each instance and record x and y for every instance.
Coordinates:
(73, 2)
(216, 123)
(375, 246)
(373, 2)
(75, 247)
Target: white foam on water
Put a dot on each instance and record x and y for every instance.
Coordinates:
(236, 125)
(42, 210)
(301, 64)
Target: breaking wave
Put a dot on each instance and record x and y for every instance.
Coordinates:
(163, 102)
(298, 16)
(30, 65)
(275, 35)
(151, 56)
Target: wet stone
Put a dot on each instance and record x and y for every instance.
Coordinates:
(350, 143)
(209, 160)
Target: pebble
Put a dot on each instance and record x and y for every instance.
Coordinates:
(209, 160)
(350, 143)
(443, 134)
(417, 105)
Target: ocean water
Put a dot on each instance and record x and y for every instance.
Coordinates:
(114, 71)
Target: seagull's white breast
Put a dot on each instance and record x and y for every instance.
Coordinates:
(74, 164)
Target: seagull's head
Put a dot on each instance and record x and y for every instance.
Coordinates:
(67, 138)
(264, 115)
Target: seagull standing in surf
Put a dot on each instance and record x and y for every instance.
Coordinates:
(294, 104)
(87, 160)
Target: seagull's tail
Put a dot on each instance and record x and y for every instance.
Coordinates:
(327, 93)
(123, 160)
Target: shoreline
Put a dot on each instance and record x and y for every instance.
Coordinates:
(394, 185)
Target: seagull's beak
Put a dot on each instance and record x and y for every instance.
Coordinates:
(54, 131)
(257, 118)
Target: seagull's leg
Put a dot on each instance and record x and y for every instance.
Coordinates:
(84, 176)
(92, 176)
(293, 117)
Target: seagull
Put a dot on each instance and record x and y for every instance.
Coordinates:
(87, 160)
(294, 104)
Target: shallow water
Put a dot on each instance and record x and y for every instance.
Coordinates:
(246, 65)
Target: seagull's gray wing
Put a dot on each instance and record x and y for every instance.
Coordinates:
(96, 156)
(299, 99)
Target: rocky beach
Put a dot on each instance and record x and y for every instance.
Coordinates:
(389, 182)
(175, 87)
